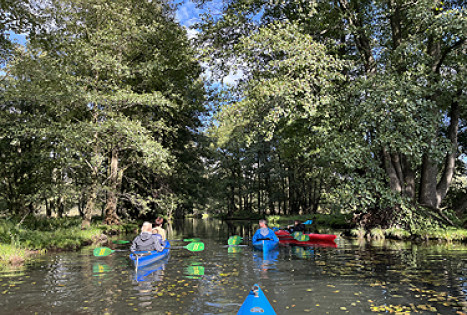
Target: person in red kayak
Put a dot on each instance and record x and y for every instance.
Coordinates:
(297, 227)
(264, 233)
(146, 240)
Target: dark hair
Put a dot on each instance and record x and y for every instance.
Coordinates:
(159, 221)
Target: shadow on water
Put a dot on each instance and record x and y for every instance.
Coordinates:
(354, 277)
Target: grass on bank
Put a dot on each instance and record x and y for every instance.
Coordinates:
(38, 234)
(440, 234)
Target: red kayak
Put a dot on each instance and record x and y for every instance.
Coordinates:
(319, 243)
(283, 234)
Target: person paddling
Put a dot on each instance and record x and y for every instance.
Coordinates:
(264, 233)
(297, 227)
(146, 241)
(158, 229)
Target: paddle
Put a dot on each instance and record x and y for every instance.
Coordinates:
(234, 240)
(105, 251)
(102, 251)
(297, 234)
(192, 247)
(307, 222)
(302, 238)
(185, 240)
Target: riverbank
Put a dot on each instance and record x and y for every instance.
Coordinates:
(423, 230)
(20, 241)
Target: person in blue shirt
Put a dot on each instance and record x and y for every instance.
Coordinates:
(264, 233)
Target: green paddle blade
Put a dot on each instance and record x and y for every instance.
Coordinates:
(102, 251)
(120, 242)
(195, 246)
(296, 234)
(234, 240)
(302, 238)
(191, 239)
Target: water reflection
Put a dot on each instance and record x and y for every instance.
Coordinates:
(356, 277)
(152, 272)
(195, 269)
(99, 269)
(234, 249)
(302, 252)
(265, 261)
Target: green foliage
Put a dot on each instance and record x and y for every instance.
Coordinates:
(397, 233)
(10, 253)
(361, 97)
(35, 233)
(103, 80)
(124, 228)
(377, 233)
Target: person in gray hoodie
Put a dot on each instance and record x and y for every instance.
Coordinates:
(146, 240)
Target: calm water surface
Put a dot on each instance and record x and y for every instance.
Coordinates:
(354, 278)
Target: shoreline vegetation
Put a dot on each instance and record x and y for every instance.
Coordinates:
(22, 240)
(323, 223)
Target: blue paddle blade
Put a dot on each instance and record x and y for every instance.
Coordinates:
(308, 222)
(275, 229)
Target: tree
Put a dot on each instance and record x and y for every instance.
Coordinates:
(118, 80)
(385, 136)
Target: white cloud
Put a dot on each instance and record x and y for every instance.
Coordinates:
(192, 33)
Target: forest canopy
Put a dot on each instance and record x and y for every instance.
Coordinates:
(350, 107)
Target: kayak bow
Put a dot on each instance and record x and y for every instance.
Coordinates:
(256, 303)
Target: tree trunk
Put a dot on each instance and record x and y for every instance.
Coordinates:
(450, 160)
(394, 179)
(461, 206)
(91, 202)
(427, 195)
(409, 179)
(94, 165)
(111, 216)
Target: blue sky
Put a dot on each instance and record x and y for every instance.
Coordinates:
(187, 13)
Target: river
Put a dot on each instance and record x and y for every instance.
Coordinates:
(356, 277)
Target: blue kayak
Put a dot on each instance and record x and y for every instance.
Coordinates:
(145, 258)
(265, 245)
(256, 303)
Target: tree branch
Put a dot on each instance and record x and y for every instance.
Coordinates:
(446, 51)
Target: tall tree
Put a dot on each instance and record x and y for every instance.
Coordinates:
(118, 80)
(388, 135)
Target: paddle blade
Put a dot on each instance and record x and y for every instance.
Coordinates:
(102, 251)
(296, 234)
(302, 238)
(275, 228)
(234, 240)
(191, 240)
(308, 222)
(120, 242)
(195, 246)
